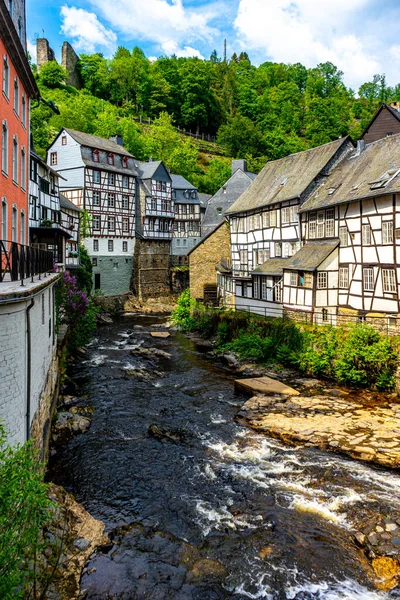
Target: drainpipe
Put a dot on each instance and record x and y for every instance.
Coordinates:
(29, 369)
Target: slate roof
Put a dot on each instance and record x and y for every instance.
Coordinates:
(272, 266)
(310, 256)
(395, 113)
(286, 178)
(353, 177)
(99, 143)
(180, 183)
(87, 157)
(66, 203)
(147, 169)
(224, 198)
(204, 198)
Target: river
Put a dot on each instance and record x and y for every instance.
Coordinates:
(277, 518)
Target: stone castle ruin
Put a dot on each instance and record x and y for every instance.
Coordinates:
(69, 60)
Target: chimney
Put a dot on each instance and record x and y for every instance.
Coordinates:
(239, 164)
(117, 139)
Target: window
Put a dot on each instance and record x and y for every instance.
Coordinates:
(96, 176)
(343, 277)
(154, 204)
(312, 225)
(53, 158)
(111, 245)
(15, 159)
(368, 280)
(343, 236)
(320, 224)
(16, 96)
(22, 229)
(330, 223)
(96, 198)
(125, 224)
(278, 249)
(184, 209)
(265, 220)
(241, 225)
(23, 169)
(4, 223)
(96, 222)
(64, 140)
(110, 159)
(111, 179)
(285, 215)
(124, 246)
(96, 156)
(272, 218)
(125, 162)
(389, 280)
(14, 219)
(293, 278)
(23, 110)
(125, 181)
(125, 201)
(366, 235)
(97, 283)
(111, 223)
(324, 314)
(322, 280)
(6, 77)
(164, 205)
(387, 232)
(95, 245)
(111, 200)
(94, 262)
(243, 260)
(4, 148)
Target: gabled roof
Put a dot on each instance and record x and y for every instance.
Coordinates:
(99, 143)
(39, 159)
(209, 234)
(358, 175)
(148, 169)
(310, 256)
(180, 183)
(204, 198)
(66, 203)
(286, 178)
(393, 112)
(272, 266)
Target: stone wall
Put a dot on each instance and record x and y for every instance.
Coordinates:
(179, 281)
(44, 53)
(204, 258)
(151, 269)
(115, 273)
(69, 60)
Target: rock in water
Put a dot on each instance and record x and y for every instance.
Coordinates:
(171, 435)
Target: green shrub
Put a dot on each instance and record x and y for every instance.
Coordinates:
(318, 352)
(250, 345)
(181, 316)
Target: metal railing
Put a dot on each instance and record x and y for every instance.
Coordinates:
(18, 262)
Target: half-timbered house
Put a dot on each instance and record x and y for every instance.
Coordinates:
(100, 176)
(186, 228)
(265, 223)
(70, 222)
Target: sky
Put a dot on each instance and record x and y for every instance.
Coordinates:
(361, 37)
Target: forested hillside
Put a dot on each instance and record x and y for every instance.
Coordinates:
(259, 113)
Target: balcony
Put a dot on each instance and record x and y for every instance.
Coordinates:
(22, 264)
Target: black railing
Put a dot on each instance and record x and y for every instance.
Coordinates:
(18, 262)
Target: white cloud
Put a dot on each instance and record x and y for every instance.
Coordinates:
(310, 32)
(170, 47)
(88, 34)
(166, 22)
(32, 50)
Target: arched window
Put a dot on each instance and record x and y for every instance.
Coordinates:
(110, 159)
(95, 156)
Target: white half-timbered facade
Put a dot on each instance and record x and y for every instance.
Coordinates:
(155, 208)
(265, 224)
(101, 178)
(186, 227)
(70, 221)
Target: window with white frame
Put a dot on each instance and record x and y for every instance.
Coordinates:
(154, 204)
(265, 220)
(264, 288)
(95, 245)
(53, 159)
(16, 95)
(278, 290)
(330, 222)
(368, 280)
(22, 228)
(111, 223)
(23, 110)
(243, 260)
(387, 232)
(278, 249)
(15, 159)
(6, 77)
(293, 213)
(344, 277)
(96, 222)
(293, 278)
(4, 148)
(366, 235)
(343, 236)
(111, 179)
(233, 222)
(64, 140)
(285, 215)
(111, 200)
(96, 198)
(273, 218)
(242, 225)
(312, 225)
(125, 201)
(389, 280)
(110, 159)
(4, 223)
(23, 169)
(125, 224)
(96, 176)
(320, 224)
(124, 246)
(322, 280)
(125, 181)
(256, 288)
(96, 156)
(14, 224)
(111, 245)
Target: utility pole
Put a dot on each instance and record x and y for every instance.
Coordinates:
(225, 51)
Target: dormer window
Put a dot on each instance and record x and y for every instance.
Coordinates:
(384, 180)
(125, 162)
(110, 159)
(96, 156)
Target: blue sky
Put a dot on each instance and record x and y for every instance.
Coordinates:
(360, 36)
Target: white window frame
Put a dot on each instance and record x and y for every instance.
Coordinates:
(110, 223)
(344, 236)
(389, 281)
(96, 176)
(16, 96)
(6, 77)
(110, 245)
(322, 280)
(95, 245)
(15, 151)
(366, 234)
(285, 215)
(96, 221)
(368, 279)
(4, 148)
(294, 278)
(387, 232)
(330, 222)
(96, 198)
(343, 278)
(312, 225)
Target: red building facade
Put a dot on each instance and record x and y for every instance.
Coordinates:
(18, 87)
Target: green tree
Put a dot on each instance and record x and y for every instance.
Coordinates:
(52, 74)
